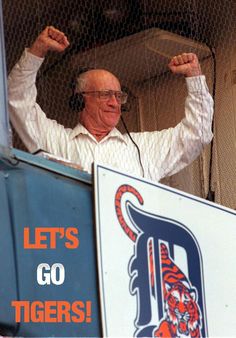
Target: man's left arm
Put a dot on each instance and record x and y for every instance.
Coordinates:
(172, 149)
(189, 137)
(199, 103)
(186, 64)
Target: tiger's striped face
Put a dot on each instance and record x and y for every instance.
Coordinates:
(181, 308)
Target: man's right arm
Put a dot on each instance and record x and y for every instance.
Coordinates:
(26, 116)
(23, 109)
(51, 39)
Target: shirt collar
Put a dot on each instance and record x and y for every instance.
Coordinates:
(81, 130)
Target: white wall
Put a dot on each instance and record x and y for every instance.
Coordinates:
(224, 179)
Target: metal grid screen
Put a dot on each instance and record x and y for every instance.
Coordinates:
(135, 40)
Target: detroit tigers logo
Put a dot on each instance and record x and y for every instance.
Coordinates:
(182, 313)
(170, 301)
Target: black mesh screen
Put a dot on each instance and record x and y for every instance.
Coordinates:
(135, 40)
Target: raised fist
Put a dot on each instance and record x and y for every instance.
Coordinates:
(49, 39)
(186, 64)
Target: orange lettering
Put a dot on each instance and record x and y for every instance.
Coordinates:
(63, 312)
(49, 311)
(47, 237)
(36, 312)
(25, 305)
(27, 245)
(76, 308)
(39, 238)
(71, 236)
(52, 311)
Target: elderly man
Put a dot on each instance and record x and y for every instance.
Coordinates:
(149, 154)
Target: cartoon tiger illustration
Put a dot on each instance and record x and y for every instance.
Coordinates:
(120, 192)
(182, 313)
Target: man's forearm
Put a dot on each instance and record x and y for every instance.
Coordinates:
(22, 97)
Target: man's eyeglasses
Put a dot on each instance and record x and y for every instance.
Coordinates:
(105, 95)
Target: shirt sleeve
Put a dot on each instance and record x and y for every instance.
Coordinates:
(168, 151)
(30, 122)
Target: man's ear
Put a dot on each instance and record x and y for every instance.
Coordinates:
(76, 100)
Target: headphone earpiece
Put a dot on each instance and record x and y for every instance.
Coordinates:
(76, 100)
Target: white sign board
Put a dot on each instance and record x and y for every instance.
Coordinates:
(166, 260)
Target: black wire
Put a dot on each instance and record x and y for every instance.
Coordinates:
(14, 330)
(139, 155)
(211, 194)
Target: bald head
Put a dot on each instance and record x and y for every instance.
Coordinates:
(96, 79)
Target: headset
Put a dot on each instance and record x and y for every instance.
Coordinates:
(76, 100)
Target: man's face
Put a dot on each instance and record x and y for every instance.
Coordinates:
(101, 114)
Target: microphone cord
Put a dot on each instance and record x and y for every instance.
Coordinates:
(139, 155)
(211, 193)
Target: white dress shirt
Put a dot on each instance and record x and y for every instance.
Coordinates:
(163, 153)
